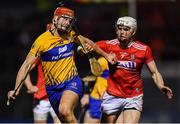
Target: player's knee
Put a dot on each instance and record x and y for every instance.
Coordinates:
(64, 111)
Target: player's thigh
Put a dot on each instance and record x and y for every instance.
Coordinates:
(108, 118)
(69, 100)
(131, 116)
(120, 118)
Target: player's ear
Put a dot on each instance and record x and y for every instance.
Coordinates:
(116, 30)
(133, 32)
(54, 19)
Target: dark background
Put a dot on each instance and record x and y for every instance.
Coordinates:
(21, 22)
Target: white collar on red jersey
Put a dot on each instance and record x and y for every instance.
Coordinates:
(131, 43)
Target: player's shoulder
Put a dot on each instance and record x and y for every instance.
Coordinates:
(112, 42)
(102, 60)
(42, 37)
(45, 34)
(140, 45)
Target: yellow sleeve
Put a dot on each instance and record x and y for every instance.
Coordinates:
(37, 48)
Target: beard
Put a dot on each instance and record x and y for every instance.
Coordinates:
(124, 42)
(63, 29)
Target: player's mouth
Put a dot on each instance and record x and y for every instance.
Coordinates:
(64, 27)
(122, 37)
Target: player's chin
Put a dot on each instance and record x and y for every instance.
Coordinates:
(123, 40)
(63, 29)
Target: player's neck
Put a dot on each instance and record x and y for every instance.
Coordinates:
(126, 44)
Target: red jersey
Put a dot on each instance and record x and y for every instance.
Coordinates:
(41, 94)
(124, 78)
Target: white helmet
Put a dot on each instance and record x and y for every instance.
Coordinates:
(127, 21)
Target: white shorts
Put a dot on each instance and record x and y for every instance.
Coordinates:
(42, 110)
(112, 104)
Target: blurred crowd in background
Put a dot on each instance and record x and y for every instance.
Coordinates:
(158, 26)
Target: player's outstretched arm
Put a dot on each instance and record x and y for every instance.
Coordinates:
(158, 80)
(28, 83)
(90, 45)
(21, 76)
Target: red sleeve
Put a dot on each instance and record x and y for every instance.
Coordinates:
(37, 62)
(102, 45)
(148, 55)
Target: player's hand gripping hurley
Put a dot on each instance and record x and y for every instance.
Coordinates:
(94, 64)
(12, 94)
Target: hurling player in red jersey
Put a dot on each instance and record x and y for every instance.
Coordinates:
(123, 99)
(124, 93)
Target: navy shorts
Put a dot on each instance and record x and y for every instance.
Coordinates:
(55, 92)
(95, 107)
